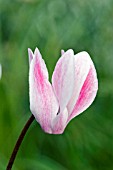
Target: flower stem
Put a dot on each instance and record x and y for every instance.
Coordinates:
(18, 143)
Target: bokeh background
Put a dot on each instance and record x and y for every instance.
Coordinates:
(52, 25)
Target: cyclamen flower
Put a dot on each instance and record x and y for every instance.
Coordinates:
(73, 89)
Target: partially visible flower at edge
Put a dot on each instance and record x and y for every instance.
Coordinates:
(0, 71)
(73, 89)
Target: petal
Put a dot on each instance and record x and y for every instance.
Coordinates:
(62, 52)
(60, 122)
(30, 55)
(86, 85)
(63, 78)
(43, 103)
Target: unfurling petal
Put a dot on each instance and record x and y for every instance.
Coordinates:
(43, 103)
(86, 85)
(63, 79)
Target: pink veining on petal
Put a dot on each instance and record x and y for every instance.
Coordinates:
(82, 66)
(39, 77)
(87, 94)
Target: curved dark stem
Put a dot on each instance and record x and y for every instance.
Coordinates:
(18, 143)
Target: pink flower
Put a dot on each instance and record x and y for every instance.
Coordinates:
(74, 87)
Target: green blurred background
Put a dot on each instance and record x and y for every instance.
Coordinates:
(52, 25)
